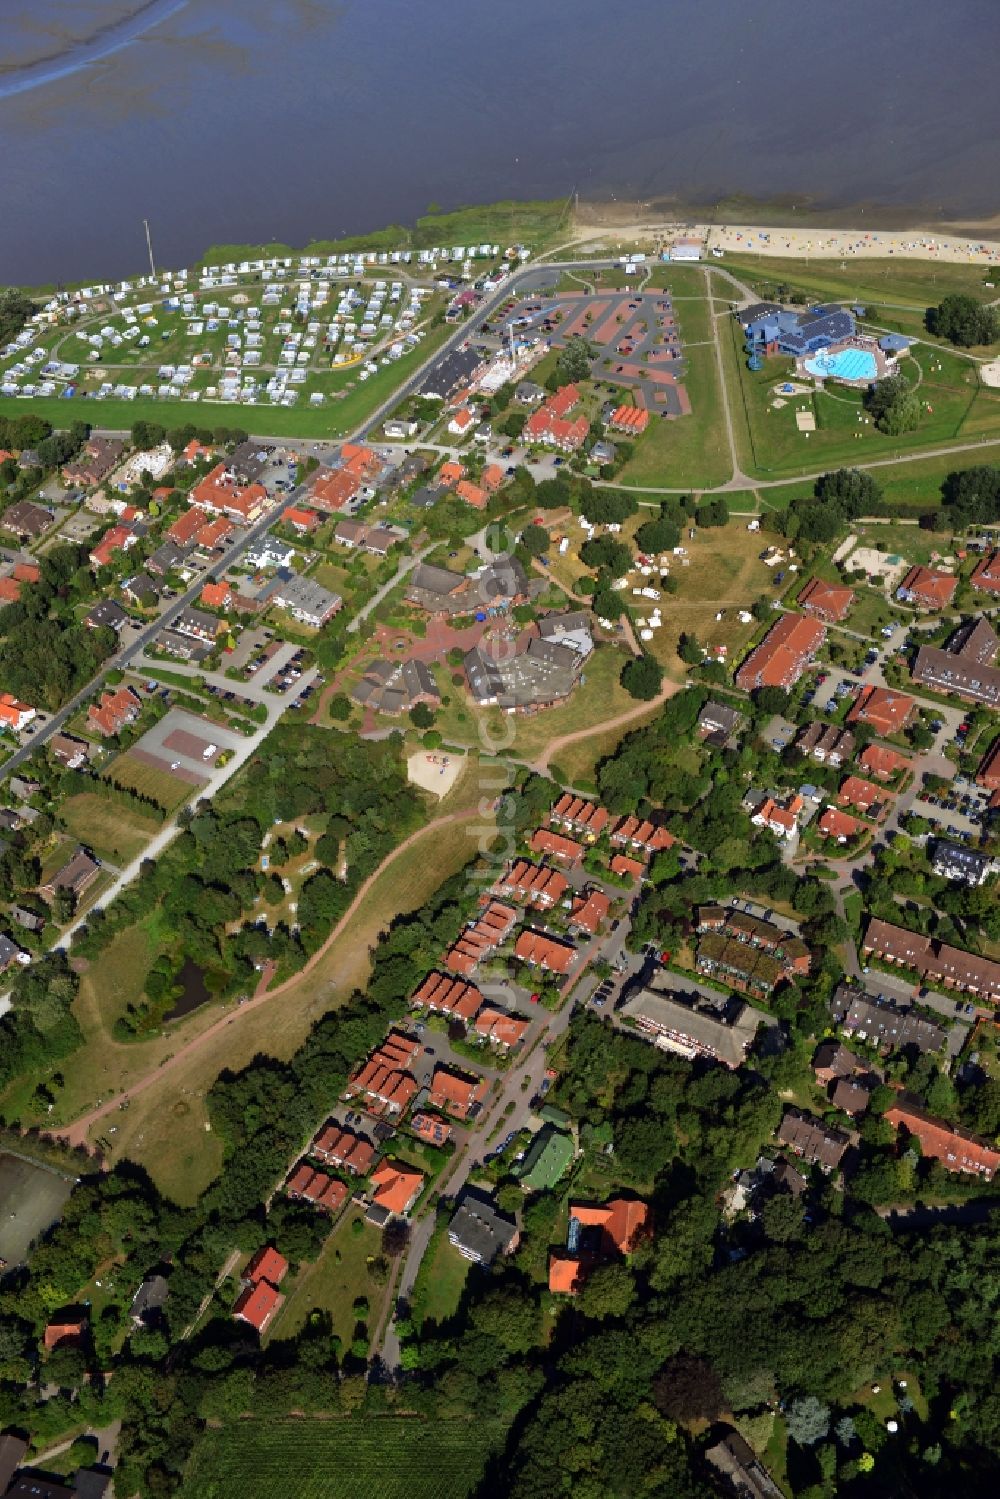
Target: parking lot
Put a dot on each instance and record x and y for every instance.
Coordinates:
(181, 742)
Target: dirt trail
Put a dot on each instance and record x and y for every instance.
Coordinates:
(77, 1132)
(641, 710)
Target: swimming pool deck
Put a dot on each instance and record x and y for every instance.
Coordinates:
(877, 364)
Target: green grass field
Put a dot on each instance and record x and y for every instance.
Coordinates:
(380, 1457)
(335, 1280)
(114, 832)
(440, 1281)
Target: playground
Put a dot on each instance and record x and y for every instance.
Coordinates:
(434, 771)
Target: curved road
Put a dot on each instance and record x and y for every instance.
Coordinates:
(639, 711)
(77, 1132)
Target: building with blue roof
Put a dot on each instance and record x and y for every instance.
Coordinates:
(771, 330)
(894, 343)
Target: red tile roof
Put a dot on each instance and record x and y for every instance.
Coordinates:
(216, 492)
(10, 592)
(267, 1264)
(930, 587)
(26, 572)
(954, 1148)
(342, 1147)
(396, 1187)
(384, 1079)
(887, 711)
(333, 489)
(472, 494)
(500, 1027)
(631, 419)
(449, 473)
(782, 655)
(492, 477)
(638, 832)
(544, 841)
(544, 952)
(533, 883)
(988, 774)
(217, 595)
(834, 824)
(831, 601)
(632, 869)
(987, 575)
(564, 400)
(567, 1274)
(856, 792)
(882, 762)
(586, 816)
(624, 1222)
(482, 938)
(301, 519)
(590, 910)
(448, 996)
(257, 1305)
(456, 1092)
(186, 527)
(114, 710)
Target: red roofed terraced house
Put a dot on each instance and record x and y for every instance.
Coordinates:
(883, 763)
(499, 1028)
(583, 817)
(828, 601)
(597, 1234)
(641, 836)
(927, 588)
(567, 850)
(547, 953)
(783, 654)
(343, 1149)
(986, 575)
(532, 884)
(14, 714)
(589, 911)
(988, 774)
(457, 1093)
(888, 712)
(450, 473)
(935, 962)
(216, 596)
(324, 1192)
(549, 427)
(118, 539)
(954, 1148)
(626, 868)
(481, 938)
(332, 489)
(472, 494)
(443, 995)
(384, 1081)
(630, 420)
(224, 496)
(260, 1299)
(839, 826)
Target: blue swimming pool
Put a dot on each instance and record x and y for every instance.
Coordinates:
(845, 364)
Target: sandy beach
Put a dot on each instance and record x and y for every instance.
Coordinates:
(804, 244)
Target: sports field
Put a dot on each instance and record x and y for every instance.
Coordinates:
(381, 1457)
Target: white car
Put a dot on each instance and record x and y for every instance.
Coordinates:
(209, 751)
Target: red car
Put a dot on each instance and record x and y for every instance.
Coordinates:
(535, 998)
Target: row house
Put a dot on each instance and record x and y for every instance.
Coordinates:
(532, 884)
(384, 1082)
(443, 995)
(481, 938)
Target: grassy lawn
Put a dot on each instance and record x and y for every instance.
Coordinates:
(114, 832)
(381, 1457)
(578, 761)
(689, 451)
(166, 789)
(183, 1158)
(440, 1281)
(335, 1280)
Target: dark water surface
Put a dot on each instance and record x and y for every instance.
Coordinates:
(250, 120)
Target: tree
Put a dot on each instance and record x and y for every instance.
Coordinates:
(808, 1420)
(608, 1292)
(421, 716)
(574, 361)
(657, 535)
(147, 435)
(688, 1388)
(535, 540)
(642, 677)
(605, 507)
(605, 552)
(770, 699)
(894, 405)
(340, 707)
(963, 321)
(689, 649)
(715, 513)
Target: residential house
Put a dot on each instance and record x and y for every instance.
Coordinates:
(149, 1301)
(819, 1144)
(988, 774)
(26, 520)
(501, 1029)
(462, 422)
(961, 865)
(10, 953)
(168, 557)
(956, 1149)
(431, 1129)
(597, 1234)
(888, 712)
(641, 836)
(350, 533)
(395, 1188)
(74, 876)
(441, 994)
(481, 938)
(936, 962)
(267, 554)
(68, 1330)
(216, 596)
(543, 841)
(472, 494)
(260, 1300)
(986, 576)
(306, 600)
(550, 426)
(783, 654)
(852, 1096)
(532, 884)
(344, 1149)
(626, 868)
(449, 474)
(69, 752)
(882, 1024)
(583, 817)
(480, 1232)
(492, 478)
(384, 1082)
(780, 818)
(833, 1062)
(306, 1184)
(222, 492)
(301, 520)
(864, 795)
(718, 724)
(15, 715)
(589, 911)
(143, 591)
(334, 490)
(630, 420)
(828, 601)
(113, 711)
(746, 1476)
(198, 624)
(927, 588)
(965, 665)
(827, 743)
(98, 458)
(31, 921)
(551, 954)
(882, 763)
(457, 1093)
(529, 394)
